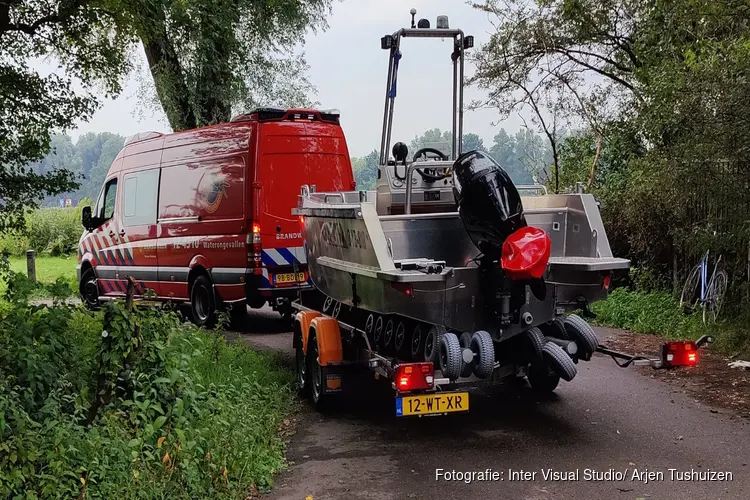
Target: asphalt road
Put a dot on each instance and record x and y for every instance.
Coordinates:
(606, 420)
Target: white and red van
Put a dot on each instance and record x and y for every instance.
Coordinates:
(204, 216)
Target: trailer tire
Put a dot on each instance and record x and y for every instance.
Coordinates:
(484, 348)
(556, 329)
(583, 335)
(321, 401)
(432, 344)
(416, 341)
(450, 356)
(303, 377)
(541, 378)
(559, 361)
(388, 334)
(536, 343)
(466, 368)
(377, 334)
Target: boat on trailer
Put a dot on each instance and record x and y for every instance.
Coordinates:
(448, 263)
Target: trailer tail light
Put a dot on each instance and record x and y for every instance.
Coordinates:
(679, 353)
(254, 249)
(414, 376)
(526, 253)
(405, 288)
(606, 282)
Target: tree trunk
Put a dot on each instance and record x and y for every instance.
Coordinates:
(212, 89)
(168, 75)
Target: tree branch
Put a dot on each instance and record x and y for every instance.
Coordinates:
(65, 12)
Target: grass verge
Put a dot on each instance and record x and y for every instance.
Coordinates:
(133, 404)
(48, 271)
(659, 313)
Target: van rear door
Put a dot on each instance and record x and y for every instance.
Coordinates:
(293, 152)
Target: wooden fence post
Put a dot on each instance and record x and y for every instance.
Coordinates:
(31, 265)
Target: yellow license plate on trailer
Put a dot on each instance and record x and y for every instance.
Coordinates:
(290, 278)
(432, 404)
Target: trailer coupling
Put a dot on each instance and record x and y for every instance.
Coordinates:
(673, 354)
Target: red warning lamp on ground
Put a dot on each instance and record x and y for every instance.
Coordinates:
(679, 353)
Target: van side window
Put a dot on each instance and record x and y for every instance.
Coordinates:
(139, 197)
(110, 194)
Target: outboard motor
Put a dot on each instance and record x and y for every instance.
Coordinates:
(491, 210)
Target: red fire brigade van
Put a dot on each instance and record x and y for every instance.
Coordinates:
(204, 216)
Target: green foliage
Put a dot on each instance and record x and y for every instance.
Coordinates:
(653, 312)
(366, 170)
(53, 231)
(132, 404)
(659, 313)
(82, 37)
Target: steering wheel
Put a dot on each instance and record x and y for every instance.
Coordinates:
(431, 174)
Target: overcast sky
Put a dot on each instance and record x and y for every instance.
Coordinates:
(349, 70)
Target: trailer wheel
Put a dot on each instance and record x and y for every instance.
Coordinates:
(416, 341)
(541, 378)
(482, 345)
(321, 401)
(536, 343)
(450, 356)
(465, 341)
(432, 344)
(388, 334)
(303, 380)
(377, 334)
(559, 361)
(583, 335)
(556, 329)
(400, 338)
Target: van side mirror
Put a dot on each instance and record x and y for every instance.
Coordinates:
(86, 218)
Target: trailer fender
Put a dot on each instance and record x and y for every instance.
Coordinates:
(328, 335)
(302, 321)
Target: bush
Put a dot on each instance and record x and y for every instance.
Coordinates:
(659, 313)
(132, 404)
(54, 231)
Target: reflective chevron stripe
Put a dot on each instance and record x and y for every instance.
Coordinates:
(283, 256)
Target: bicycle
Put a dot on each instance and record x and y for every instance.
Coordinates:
(712, 291)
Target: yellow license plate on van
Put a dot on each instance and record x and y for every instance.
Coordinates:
(432, 404)
(290, 278)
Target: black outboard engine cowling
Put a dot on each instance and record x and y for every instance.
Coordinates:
(488, 202)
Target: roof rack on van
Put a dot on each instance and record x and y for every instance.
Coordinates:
(142, 136)
(269, 114)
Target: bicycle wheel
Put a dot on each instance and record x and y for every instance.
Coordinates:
(716, 293)
(689, 296)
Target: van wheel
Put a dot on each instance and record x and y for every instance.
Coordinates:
(203, 302)
(89, 290)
